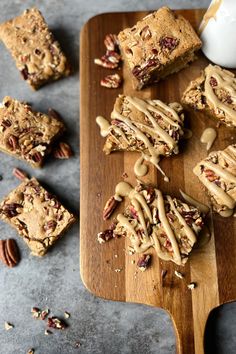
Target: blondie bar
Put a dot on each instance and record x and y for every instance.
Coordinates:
(26, 134)
(155, 220)
(214, 93)
(38, 216)
(37, 54)
(148, 126)
(160, 44)
(217, 172)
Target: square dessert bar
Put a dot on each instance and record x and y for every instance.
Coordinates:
(153, 219)
(214, 93)
(26, 134)
(141, 125)
(38, 216)
(37, 54)
(217, 172)
(160, 44)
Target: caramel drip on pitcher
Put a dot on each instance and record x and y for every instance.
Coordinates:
(142, 243)
(225, 80)
(210, 13)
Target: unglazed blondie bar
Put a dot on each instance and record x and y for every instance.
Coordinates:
(38, 216)
(160, 44)
(155, 220)
(37, 54)
(26, 134)
(217, 172)
(148, 126)
(214, 93)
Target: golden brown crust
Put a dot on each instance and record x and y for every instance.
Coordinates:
(159, 44)
(37, 54)
(38, 216)
(26, 134)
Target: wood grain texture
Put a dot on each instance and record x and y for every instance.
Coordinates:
(212, 266)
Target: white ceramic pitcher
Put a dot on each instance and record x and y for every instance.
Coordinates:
(218, 33)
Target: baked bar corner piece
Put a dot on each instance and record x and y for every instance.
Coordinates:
(213, 92)
(217, 172)
(148, 126)
(37, 54)
(158, 45)
(153, 219)
(26, 134)
(39, 218)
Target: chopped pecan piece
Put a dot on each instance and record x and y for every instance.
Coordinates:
(8, 326)
(179, 275)
(144, 262)
(111, 81)
(54, 114)
(213, 82)
(40, 314)
(169, 43)
(55, 322)
(210, 175)
(105, 236)
(192, 286)
(10, 210)
(145, 33)
(13, 142)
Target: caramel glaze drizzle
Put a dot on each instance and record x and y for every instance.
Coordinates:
(124, 189)
(226, 199)
(147, 107)
(225, 80)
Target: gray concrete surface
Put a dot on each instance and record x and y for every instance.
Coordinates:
(54, 281)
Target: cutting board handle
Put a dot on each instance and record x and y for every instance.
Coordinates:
(187, 341)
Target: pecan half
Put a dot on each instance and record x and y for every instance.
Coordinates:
(110, 60)
(105, 236)
(111, 81)
(110, 206)
(37, 157)
(55, 322)
(13, 142)
(6, 123)
(144, 262)
(9, 253)
(21, 175)
(62, 151)
(111, 42)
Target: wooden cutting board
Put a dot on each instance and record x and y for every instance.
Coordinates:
(212, 266)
